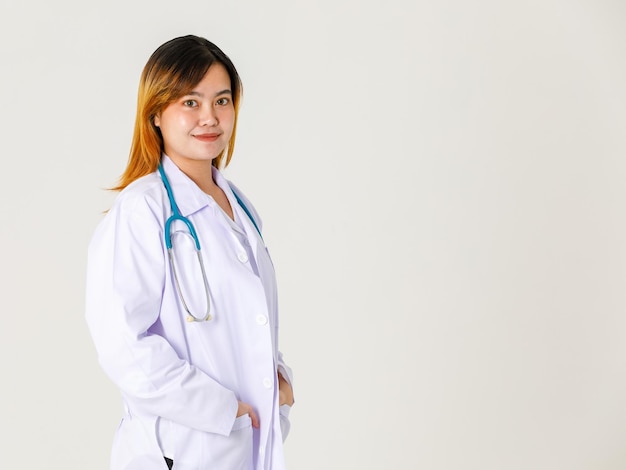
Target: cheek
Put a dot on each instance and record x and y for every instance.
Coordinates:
(180, 122)
(173, 121)
(228, 120)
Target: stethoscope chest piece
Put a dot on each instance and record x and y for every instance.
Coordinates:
(191, 318)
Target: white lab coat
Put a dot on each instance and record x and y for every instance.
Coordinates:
(180, 381)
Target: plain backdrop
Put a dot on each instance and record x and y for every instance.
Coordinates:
(442, 187)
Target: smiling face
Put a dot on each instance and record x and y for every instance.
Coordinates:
(197, 127)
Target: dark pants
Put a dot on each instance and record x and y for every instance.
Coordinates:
(169, 463)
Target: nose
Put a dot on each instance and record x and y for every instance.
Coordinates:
(208, 117)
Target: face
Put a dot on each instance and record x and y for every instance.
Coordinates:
(198, 126)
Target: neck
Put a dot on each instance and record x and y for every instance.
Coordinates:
(200, 172)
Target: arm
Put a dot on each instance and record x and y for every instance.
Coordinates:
(125, 285)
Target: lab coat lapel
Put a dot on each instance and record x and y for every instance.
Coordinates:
(246, 223)
(189, 197)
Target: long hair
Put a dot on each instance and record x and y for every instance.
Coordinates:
(172, 71)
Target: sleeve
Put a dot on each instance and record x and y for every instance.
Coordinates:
(285, 371)
(125, 283)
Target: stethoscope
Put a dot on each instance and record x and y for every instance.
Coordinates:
(176, 215)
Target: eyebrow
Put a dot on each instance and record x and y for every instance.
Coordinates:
(201, 95)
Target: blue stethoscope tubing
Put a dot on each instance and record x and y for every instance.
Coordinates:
(176, 215)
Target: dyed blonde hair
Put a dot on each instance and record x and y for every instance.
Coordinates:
(172, 71)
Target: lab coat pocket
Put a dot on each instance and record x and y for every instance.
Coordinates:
(198, 450)
(242, 422)
(135, 446)
(233, 452)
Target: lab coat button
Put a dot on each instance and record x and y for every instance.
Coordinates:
(261, 319)
(267, 383)
(242, 257)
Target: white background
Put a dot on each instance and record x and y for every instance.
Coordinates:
(443, 191)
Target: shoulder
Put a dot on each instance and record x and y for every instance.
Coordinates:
(143, 193)
(138, 208)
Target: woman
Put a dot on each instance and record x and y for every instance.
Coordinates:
(190, 337)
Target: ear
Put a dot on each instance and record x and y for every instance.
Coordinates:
(157, 121)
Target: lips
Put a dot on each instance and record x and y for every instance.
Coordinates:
(207, 137)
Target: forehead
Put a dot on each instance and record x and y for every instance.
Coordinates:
(216, 79)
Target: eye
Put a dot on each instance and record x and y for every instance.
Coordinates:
(190, 103)
(222, 101)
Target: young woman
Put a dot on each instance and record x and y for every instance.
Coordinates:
(181, 292)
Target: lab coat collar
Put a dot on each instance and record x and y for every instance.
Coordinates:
(189, 197)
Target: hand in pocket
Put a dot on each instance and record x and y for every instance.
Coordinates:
(244, 409)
